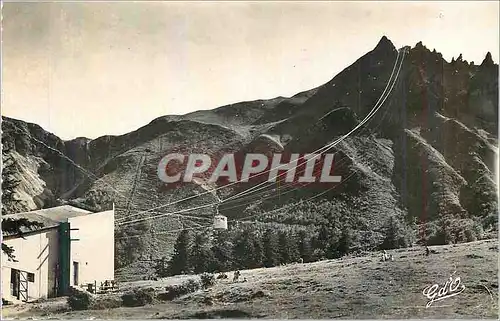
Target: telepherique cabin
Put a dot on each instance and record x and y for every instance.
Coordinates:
(74, 248)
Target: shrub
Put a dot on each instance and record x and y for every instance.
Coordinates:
(468, 235)
(207, 280)
(138, 297)
(478, 230)
(397, 234)
(452, 230)
(490, 221)
(318, 254)
(105, 303)
(172, 292)
(191, 285)
(175, 291)
(79, 300)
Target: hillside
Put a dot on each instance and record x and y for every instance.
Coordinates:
(351, 288)
(427, 158)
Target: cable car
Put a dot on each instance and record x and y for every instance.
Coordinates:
(220, 221)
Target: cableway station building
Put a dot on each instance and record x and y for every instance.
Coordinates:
(74, 248)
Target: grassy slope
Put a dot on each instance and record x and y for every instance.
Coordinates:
(358, 287)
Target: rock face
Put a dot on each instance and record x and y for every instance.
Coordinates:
(428, 153)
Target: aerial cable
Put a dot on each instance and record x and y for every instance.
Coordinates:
(326, 147)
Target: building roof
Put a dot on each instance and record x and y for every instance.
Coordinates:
(60, 213)
(49, 217)
(32, 217)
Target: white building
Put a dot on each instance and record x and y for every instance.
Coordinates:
(74, 247)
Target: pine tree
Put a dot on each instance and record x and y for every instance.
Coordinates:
(9, 185)
(391, 239)
(200, 254)
(345, 242)
(443, 234)
(179, 263)
(398, 234)
(15, 227)
(288, 252)
(270, 246)
(304, 246)
(129, 247)
(161, 267)
(258, 257)
(323, 243)
(293, 248)
(221, 249)
(243, 249)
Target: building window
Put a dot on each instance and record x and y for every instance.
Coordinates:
(14, 282)
(31, 277)
(76, 273)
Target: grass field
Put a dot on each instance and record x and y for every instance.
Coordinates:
(350, 288)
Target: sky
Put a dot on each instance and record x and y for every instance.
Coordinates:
(98, 68)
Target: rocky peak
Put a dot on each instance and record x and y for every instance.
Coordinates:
(488, 61)
(422, 51)
(420, 47)
(384, 45)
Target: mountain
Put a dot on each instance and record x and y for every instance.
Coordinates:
(427, 156)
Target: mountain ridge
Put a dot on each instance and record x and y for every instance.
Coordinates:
(428, 154)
